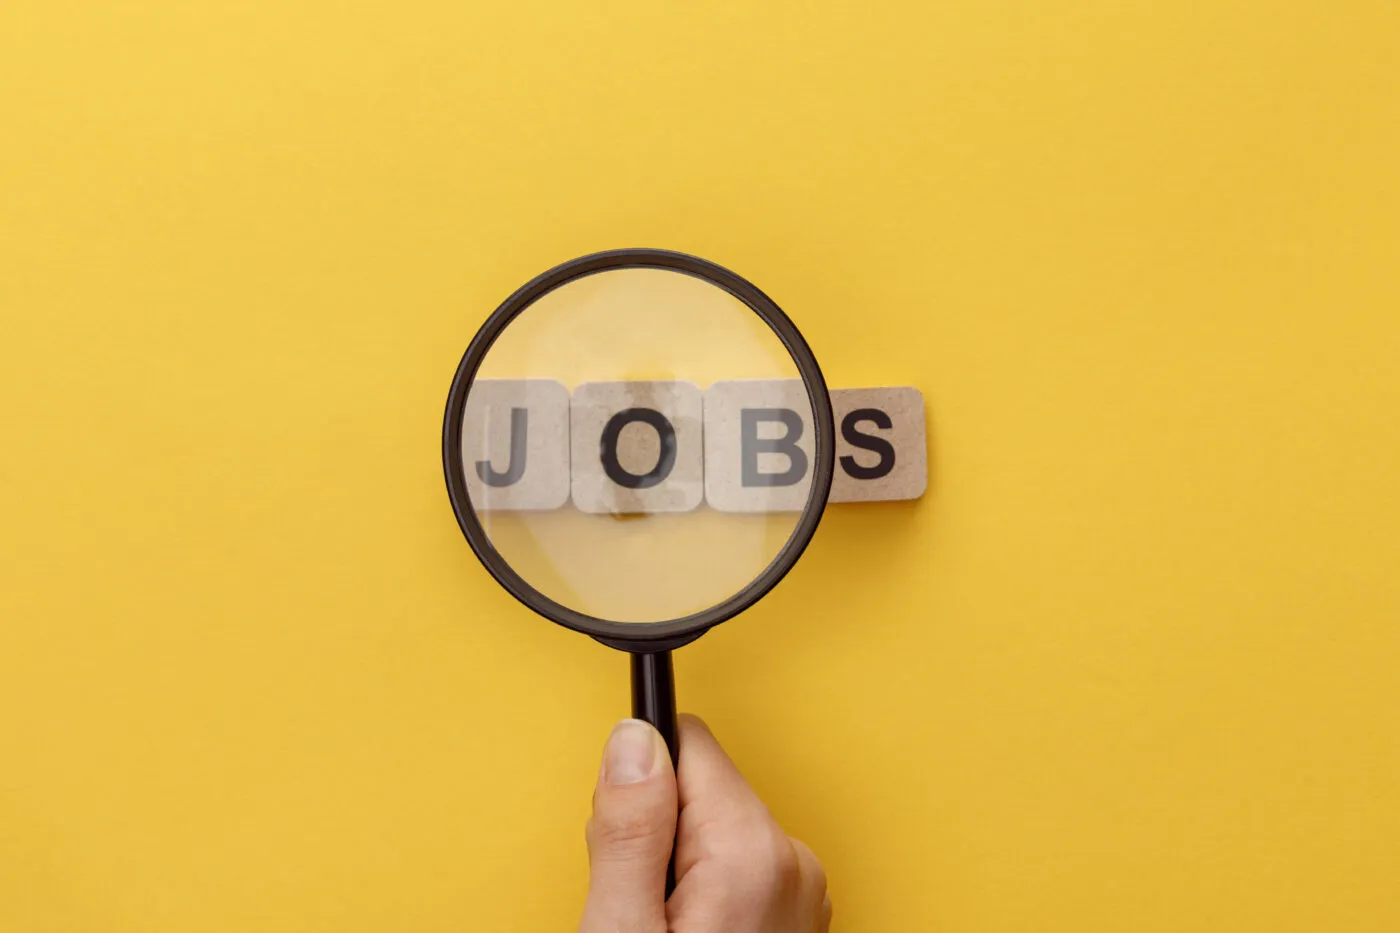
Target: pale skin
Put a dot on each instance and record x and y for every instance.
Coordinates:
(736, 870)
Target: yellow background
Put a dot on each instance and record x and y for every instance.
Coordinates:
(1129, 666)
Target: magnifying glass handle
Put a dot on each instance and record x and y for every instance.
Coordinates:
(654, 701)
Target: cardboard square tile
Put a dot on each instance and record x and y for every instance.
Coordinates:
(758, 445)
(637, 447)
(515, 444)
(881, 446)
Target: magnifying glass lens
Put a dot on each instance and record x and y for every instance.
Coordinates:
(638, 445)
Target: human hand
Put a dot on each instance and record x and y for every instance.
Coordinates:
(736, 871)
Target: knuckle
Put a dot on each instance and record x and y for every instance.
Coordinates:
(772, 864)
(813, 874)
(787, 870)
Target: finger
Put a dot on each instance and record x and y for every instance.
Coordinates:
(631, 833)
(824, 925)
(718, 809)
(722, 821)
(812, 900)
(812, 882)
(707, 777)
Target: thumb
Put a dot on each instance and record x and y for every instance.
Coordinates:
(631, 833)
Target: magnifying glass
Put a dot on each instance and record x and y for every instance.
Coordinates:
(638, 445)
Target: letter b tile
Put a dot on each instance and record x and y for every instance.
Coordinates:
(758, 445)
(637, 447)
(515, 444)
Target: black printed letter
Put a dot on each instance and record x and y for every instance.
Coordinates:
(607, 448)
(752, 446)
(867, 442)
(515, 466)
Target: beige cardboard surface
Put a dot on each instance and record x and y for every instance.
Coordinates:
(771, 471)
(515, 444)
(881, 445)
(637, 450)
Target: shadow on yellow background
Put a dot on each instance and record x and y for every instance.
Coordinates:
(1129, 665)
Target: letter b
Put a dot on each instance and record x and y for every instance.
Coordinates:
(751, 445)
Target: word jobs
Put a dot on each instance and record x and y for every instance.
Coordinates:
(663, 446)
